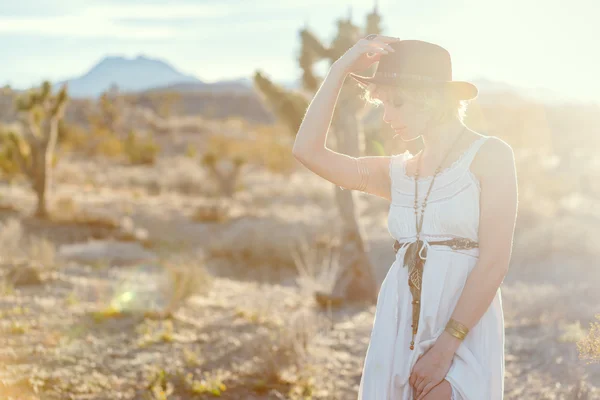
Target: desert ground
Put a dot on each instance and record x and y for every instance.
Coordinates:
(131, 291)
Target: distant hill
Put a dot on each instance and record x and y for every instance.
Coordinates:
(140, 74)
(235, 86)
(143, 73)
(542, 95)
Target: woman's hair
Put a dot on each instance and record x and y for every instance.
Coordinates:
(439, 102)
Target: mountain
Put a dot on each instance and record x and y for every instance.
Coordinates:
(542, 95)
(129, 74)
(234, 86)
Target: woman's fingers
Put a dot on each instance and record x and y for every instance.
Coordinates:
(426, 390)
(372, 48)
(372, 43)
(372, 51)
(419, 387)
(385, 39)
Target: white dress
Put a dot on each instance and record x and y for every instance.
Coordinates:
(477, 369)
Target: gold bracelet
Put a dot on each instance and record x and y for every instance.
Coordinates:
(456, 329)
(455, 333)
(458, 326)
(363, 173)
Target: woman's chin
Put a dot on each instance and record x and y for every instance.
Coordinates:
(404, 135)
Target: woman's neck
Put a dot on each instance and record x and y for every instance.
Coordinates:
(438, 140)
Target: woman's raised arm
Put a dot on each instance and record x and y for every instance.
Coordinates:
(367, 174)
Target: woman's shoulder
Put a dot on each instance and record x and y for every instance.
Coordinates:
(493, 154)
(494, 147)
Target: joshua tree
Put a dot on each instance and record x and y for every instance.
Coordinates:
(41, 112)
(356, 280)
(226, 180)
(108, 115)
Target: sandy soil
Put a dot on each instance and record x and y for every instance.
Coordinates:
(253, 334)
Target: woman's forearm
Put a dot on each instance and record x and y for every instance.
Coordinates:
(312, 134)
(477, 295)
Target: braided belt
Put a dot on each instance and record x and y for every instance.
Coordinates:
(455, 243)
(414, 258)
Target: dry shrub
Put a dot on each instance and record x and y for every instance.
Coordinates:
(290, 345)
(141, 149)
(258, 241)
(92, 218)
(73, 137)
(264, 145)
(224, 159)
(9, 166)
(111, 146)
(66, 206)
(261, 145)
(16, 246)
(186, 277)
(589, 347)
(178, 174)
(97, 141)
(211, 212)
(191, 151)
(318, 266)
(271, 149)
(71, 173)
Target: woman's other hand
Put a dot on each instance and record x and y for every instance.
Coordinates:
(430, 369)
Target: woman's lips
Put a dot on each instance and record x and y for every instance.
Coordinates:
(399, 129)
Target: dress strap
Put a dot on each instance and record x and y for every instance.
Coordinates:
(473, 149)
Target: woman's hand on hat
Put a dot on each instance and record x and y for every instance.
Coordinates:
(366, 52)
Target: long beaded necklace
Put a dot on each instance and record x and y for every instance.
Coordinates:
(414, 261)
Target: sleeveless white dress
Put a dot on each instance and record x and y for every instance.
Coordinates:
(477, 369)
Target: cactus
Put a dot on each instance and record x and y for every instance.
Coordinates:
(347, 130)
(109, 114)
(10, 143)
(41, 112)
(226, 180)
(288, 107)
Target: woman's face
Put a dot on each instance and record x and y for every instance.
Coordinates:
(406, 118)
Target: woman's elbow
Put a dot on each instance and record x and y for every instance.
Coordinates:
(299, 156)
(300, 153)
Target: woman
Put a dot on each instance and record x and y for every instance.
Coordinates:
(445, 341)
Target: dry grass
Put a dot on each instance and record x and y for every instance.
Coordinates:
(16, 246)
(318, 268)
(286, 359)
(237, 338)
(186, 277)
(589, 347)
(212, 212)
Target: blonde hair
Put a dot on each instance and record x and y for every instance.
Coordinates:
(436, 101)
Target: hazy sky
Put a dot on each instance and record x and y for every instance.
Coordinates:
(531, 43)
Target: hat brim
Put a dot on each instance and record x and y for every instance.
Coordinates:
(460, 89)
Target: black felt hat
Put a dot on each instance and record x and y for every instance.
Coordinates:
(418, 63)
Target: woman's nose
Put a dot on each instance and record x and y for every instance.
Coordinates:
(387, 117)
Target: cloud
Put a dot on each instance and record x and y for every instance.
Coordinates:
(161, 11)
(34, 8)
(76, 26)
(154, 21)
(111, 21)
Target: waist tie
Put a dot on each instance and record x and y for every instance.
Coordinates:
(416, 254)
